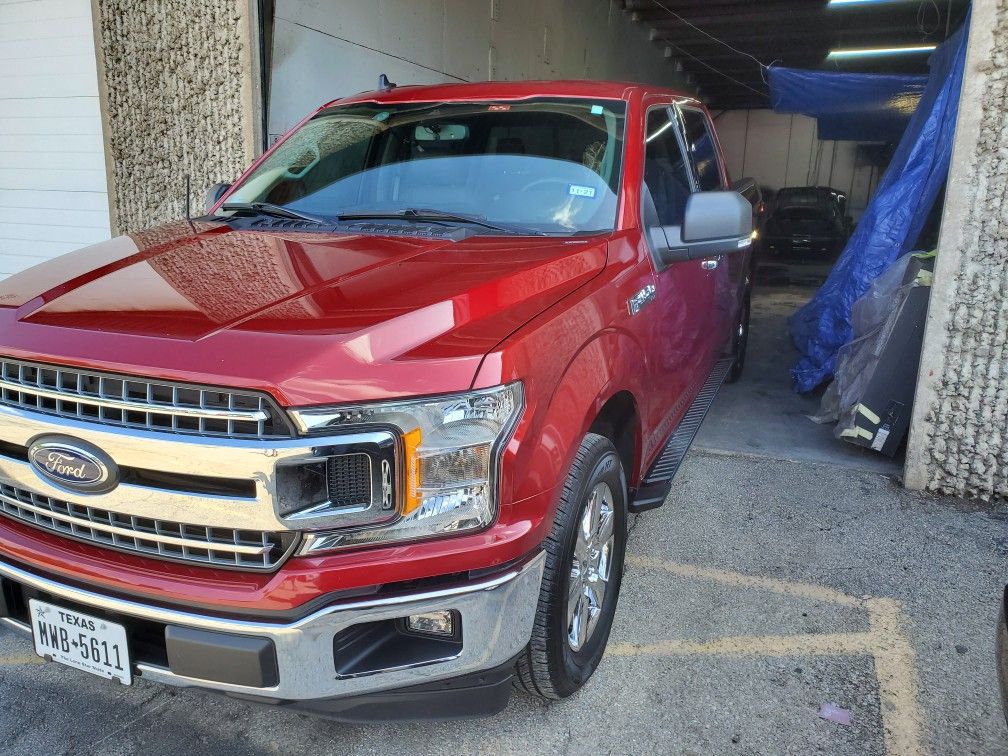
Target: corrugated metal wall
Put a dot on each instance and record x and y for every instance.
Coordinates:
(53, 190)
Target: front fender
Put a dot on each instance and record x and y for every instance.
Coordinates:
(610, 363)
(563, 398)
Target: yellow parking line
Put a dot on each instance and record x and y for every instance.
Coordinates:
(899, 686)
(886, 642)
(787, 588)
(754, 645)
(20, 660)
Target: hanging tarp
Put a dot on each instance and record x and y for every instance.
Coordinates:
(891, 223)
(848, 106)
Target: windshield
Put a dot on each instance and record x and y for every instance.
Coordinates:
(549, 166)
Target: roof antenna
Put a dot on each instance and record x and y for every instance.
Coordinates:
(188, 208)
(384, 84)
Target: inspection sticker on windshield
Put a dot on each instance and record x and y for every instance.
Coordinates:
(579, 190)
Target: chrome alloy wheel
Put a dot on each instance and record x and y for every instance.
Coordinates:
(589, 573)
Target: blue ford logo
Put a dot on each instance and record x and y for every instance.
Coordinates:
(72, 464)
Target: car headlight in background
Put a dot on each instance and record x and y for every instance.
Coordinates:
(449, 450)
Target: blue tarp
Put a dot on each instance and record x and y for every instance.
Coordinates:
(852, 106)
(892, 221)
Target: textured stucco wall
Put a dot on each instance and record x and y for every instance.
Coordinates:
(177, 96)
(959, 443)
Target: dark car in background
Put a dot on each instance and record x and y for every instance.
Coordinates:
(807, 222)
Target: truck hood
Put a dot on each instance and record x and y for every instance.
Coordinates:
(312, 318)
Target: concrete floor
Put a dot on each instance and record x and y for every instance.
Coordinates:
(783, 573)
(761, 415)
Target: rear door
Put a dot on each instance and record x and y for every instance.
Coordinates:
(682, 315)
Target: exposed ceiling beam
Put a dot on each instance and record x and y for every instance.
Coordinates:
(855, 17)
(783, 48)
(796, 33)
(683, 7)
(779, 35)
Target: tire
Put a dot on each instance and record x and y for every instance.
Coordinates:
(559, 658)
(740, 339)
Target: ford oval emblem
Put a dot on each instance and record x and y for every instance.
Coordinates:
(73, 464)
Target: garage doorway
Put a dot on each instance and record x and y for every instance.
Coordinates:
(726, 47)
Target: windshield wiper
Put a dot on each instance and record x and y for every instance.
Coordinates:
(275, 211)
(437, 216)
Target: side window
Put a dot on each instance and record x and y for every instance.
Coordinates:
(666, 176)
(702, 150)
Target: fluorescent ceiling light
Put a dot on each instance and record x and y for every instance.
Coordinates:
(861, 52)
(836, 3)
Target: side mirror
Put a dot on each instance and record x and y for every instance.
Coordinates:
(214, 193)
(715, 223)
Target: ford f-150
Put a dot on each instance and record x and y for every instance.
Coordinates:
(364, 438)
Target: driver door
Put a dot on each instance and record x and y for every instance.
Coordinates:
(684, 323)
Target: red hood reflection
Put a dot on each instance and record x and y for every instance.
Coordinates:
(312, 317)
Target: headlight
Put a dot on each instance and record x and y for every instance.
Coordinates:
(449, 451)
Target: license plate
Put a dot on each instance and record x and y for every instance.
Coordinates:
(87, 643)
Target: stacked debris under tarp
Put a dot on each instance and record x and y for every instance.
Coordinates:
(871, 396)
(891, 224)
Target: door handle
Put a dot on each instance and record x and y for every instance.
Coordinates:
(710, 264)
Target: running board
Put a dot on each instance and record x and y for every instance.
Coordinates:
(658, 481)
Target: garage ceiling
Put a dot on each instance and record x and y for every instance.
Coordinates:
(713, 39)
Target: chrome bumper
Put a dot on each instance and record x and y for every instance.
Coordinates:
(496, 613)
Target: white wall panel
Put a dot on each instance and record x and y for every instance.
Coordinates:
(781, 150)
(802, 138)
(43, 29)
(306, 65)
(30, 49)
(97, 219)
(325, 50)
(732, 128)
(53, 189)
(15, 199)
(766, 154)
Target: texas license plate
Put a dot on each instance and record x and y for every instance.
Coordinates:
(87, 643)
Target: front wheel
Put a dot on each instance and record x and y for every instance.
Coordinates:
(584, 568)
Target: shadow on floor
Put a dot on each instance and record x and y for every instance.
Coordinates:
(761, 414)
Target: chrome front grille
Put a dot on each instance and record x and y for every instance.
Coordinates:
(216, 547)
(141, 403)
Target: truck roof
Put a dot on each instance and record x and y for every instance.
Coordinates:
(510, 90)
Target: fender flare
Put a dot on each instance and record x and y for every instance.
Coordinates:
(609, 363)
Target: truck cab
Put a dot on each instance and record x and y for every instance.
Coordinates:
(363, 439)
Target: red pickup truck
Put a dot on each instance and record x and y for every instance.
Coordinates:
(364, 438)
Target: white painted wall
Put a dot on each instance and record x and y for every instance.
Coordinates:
(325, 49)
(53, 191)
(781, 150)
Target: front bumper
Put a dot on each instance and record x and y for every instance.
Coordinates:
(341, 651)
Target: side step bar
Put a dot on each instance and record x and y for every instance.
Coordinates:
(658, 480)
